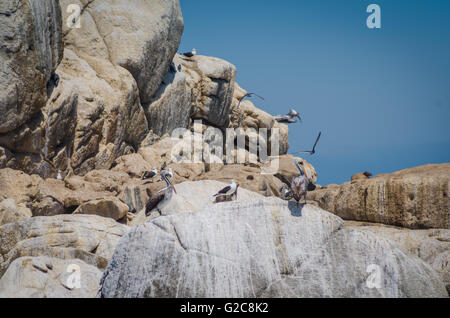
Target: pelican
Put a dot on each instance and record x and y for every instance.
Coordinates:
(248, 95)
(161, 198)
(229, 190)
(190, 54)
(313, 151)
(299, 184)
(150, 174)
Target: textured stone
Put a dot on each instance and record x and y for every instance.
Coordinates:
(44, 277)
(412, 198)
(431, 246)
(30, 50)
(260, 248)
(89, 238)
(10, 212)
(108, 207)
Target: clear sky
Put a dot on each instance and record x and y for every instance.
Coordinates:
(381, 97)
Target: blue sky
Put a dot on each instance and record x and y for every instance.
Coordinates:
(381, 97)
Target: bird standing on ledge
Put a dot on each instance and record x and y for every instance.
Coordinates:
(150, 174)
(161, 198)
(230, 190)
(299, 184)
(190, 54)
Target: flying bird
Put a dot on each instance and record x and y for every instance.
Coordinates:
(248, 95)
(299, 184)
(150, 174)
(285, 119)
(313, 151)
(229, 190)
(289, 118)
(161, 198)
(190, 54)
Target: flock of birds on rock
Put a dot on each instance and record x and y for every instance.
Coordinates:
(161, 198)
(299, 186)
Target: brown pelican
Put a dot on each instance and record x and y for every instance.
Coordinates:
(190, 54)
(313, 151)
(229, 190)
(248, 95)
(150, 174)
(162, 197)
(299, 184)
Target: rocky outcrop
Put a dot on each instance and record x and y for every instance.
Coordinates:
(30, 50)
(412, 198)
(10, 212)
(115, 60)
(261, 248)
(89, 238)
(45, 277)
(431, 246)
(109, 208)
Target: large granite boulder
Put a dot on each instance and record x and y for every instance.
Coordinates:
(264, 247)
(11, 212)
(45, 277)
(30, 50)
(431, 246)
(412, 198)
(89, 238)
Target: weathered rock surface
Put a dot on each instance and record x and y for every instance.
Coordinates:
(30, 50)
(108, 207)
(45, 277)
(89, 238)
(261, 248)
(431, 246)
(412, 198)
(10, 212)
(211, 84)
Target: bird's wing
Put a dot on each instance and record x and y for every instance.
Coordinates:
(317, 140)
(260, 97)
(223, 191)
(153, 201)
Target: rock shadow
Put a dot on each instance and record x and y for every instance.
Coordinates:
(296, 210)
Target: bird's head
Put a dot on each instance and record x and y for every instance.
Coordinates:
(155, 170)
(170, 173)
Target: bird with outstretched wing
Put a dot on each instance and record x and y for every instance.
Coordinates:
(313, 151)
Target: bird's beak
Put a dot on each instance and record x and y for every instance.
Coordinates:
(175, 190)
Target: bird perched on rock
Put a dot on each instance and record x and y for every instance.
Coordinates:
(248, 95)
(161, 198)
(361, 176)
(299, 184)
(230, 190)
(59, 176)
(313, 151)
(150, 174)
(286, 193)
(190, 54)
(289, 118)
